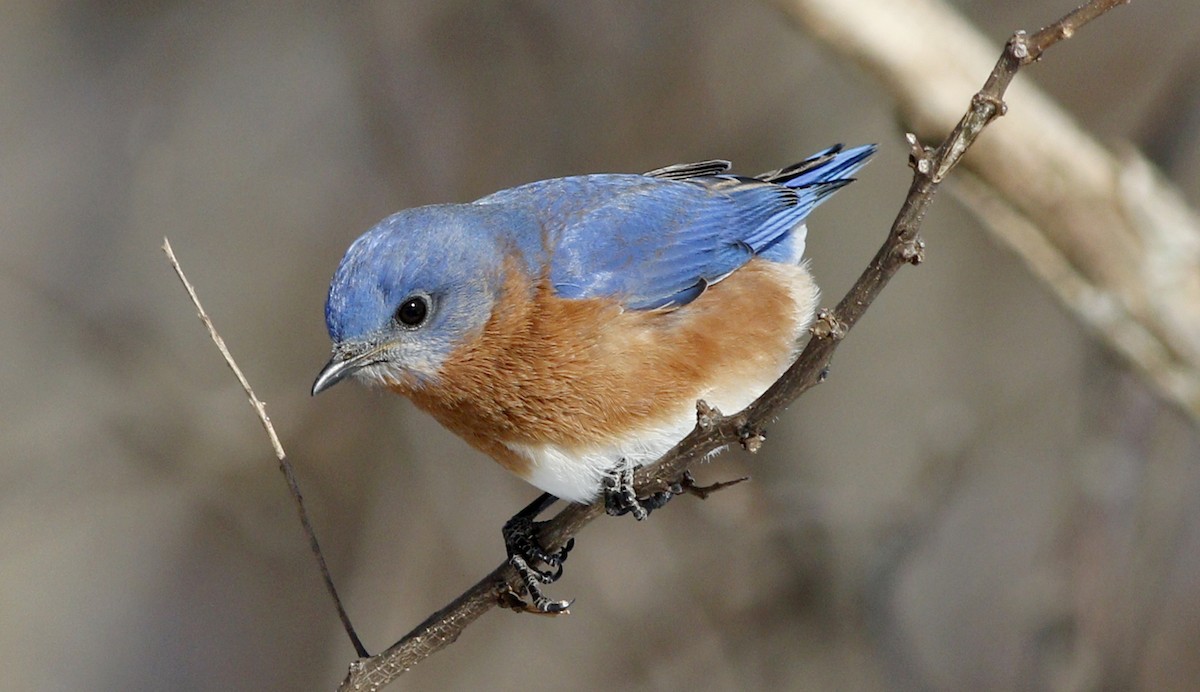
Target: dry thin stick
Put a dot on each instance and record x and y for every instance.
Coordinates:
(284, 465)
(714, 431)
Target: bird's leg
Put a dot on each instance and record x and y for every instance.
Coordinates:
(525, 550)
(621, 498)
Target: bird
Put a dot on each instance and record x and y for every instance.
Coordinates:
(567, 327)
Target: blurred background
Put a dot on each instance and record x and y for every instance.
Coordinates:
(980, 497)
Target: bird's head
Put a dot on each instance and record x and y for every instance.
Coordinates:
(409, 292)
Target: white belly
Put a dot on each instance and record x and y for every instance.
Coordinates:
(577, 473)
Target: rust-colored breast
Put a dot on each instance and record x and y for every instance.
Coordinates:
(582, 372)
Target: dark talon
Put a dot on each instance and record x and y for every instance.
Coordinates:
(620, 497)
(525, 551)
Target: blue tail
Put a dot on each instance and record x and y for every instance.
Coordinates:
(824, 167)
(814, 180)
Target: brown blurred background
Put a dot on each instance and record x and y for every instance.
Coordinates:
(980, 497)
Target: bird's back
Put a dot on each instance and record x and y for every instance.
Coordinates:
(658, 240)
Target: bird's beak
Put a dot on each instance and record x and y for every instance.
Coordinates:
(341, 366)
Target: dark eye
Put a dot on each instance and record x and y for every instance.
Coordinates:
(413, 311)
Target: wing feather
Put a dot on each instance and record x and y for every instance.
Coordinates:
(657, 241)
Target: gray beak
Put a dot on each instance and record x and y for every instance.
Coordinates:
(336, 370)
(347, 359)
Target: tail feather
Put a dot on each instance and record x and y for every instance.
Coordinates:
(813, 180)
(826, 166)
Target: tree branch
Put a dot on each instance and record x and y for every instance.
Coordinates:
(715, 431)
(1115, 243)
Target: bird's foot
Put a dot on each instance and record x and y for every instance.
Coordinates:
(525, 551)
(621, 498)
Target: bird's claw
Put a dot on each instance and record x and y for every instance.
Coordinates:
(620, 497)
(525, 551)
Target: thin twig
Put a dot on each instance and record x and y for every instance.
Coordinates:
(715, 431)
(285, 466)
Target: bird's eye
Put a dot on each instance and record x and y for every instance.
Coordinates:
(413, 311)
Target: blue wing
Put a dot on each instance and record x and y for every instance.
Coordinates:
(657, 241)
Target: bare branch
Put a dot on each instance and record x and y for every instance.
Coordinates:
(259, 407)
(284, 465)
(715, 431)
(1116, 244)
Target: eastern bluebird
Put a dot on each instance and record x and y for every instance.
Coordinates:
(567, 327)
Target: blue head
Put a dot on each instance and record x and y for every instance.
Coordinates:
(412, 289)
